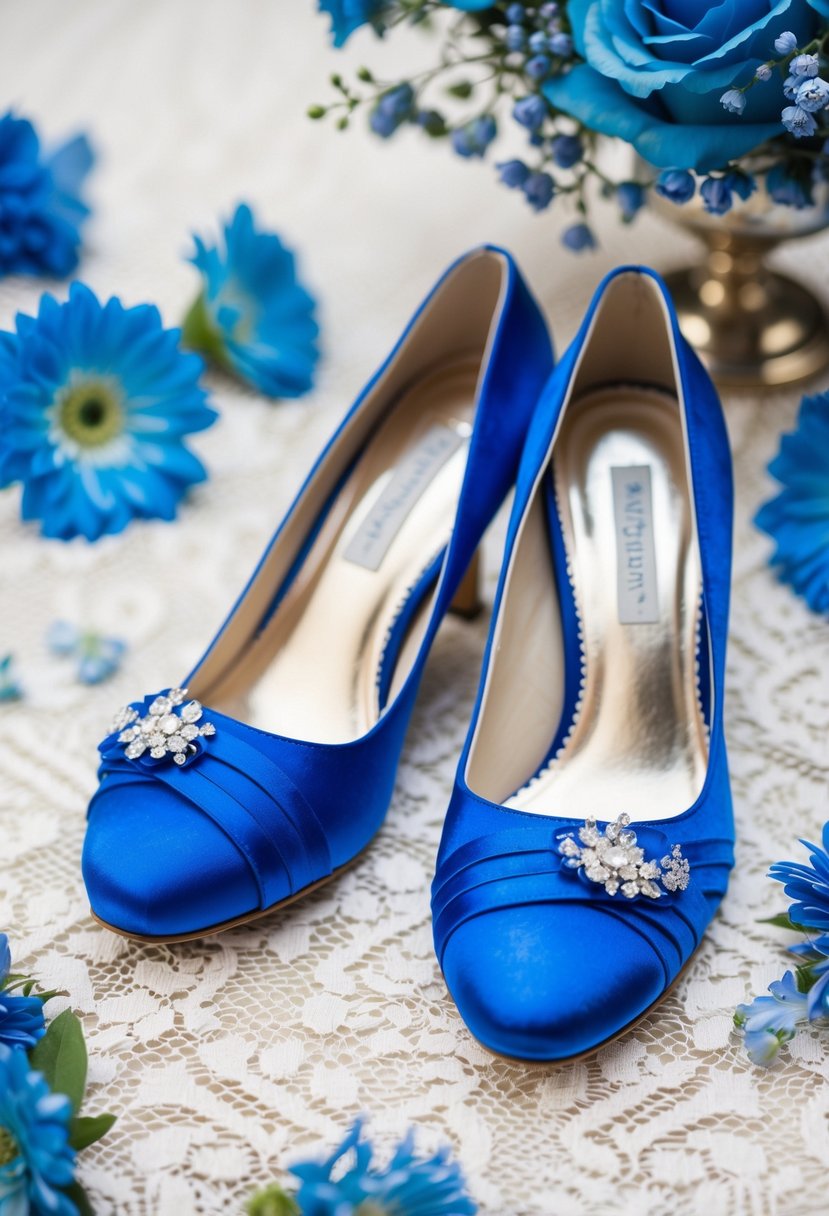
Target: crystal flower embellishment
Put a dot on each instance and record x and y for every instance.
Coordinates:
(613, 859)
(167, 731)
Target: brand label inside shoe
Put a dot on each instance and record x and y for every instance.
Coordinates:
(637, 597)
(418, 468)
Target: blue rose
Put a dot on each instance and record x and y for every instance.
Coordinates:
(655, 71)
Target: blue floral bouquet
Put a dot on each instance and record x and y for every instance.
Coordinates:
(724, 99)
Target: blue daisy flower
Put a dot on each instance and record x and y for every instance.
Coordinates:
(21, 1017)
(807, 885)
(798, 518)
(98, 657)
(253, 317)
(348, 15)
(41, 210)
(95, 401)
(408, 1186)
(770, 1021)
(36, 1160)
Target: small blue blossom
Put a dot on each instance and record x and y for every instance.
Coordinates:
(96, 400)
(253, 315)
(10, 687)
(407, 1186)
(392, 110)
(578, 238)
(36, 1159)
(561, 45)
(797, 520)
(516, 13)
(812, 95)
(716, 195)
(770, 1021)
(21, 1017)
(566, 150)
(631, 199)
(515, 38)
(807, 885)
(41, 209)
(740, 183)
(804, 65)
(676, 185)
(733, 100)
(538, 42)
(513, 173)
(790, 86)
(348, 15)
(530, 112)
(474, 138)
(787, 189)
(98, 657)
(799, 122)
(539, 189)
(785, 43)
(764, 72)
(548, 11)
(538, 67)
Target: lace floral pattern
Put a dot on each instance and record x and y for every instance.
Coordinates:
(226, 1058)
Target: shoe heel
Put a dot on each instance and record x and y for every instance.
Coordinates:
(468, 602)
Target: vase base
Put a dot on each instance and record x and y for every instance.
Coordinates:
(762, 332)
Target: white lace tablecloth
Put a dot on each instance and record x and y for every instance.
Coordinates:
(228, 1058)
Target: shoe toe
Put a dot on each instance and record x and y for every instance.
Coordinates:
(548, 983)
(156, 866)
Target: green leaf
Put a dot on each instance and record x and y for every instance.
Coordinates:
(80, 1199)
(781, 921)
(462, 89)
(198, 332)
(61, 1056)
(85, 1130)
(273, 1201)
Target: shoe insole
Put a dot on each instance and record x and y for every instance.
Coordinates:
(637, 741)
(313, 670)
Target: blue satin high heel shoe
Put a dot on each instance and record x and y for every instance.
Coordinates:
(274, 767)
(590, 835)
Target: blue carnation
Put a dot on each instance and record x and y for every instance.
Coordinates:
(21, 1017)
(253, 316)
(797, 520)
(408, 1186)
(36, 1159)
(95, 402)
(41, 210)
(770, 1021)
(676, 185)
(474, 138)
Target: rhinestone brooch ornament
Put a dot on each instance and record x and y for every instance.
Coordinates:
(613, 859)
(168, 731)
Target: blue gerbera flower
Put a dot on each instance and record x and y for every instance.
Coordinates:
(348, 15)
(807, 885)
(253, 316)
(41, 210)
(36, 1160)
(21, 1017)
(770, 1021)
(408, 1186)
(798, 518)
(95, 400)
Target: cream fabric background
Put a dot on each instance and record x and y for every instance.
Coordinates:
(229, 1058)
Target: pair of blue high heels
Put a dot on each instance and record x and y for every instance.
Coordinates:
(589, 836)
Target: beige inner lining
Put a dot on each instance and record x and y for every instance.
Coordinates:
(638, 742)
(311, 670)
